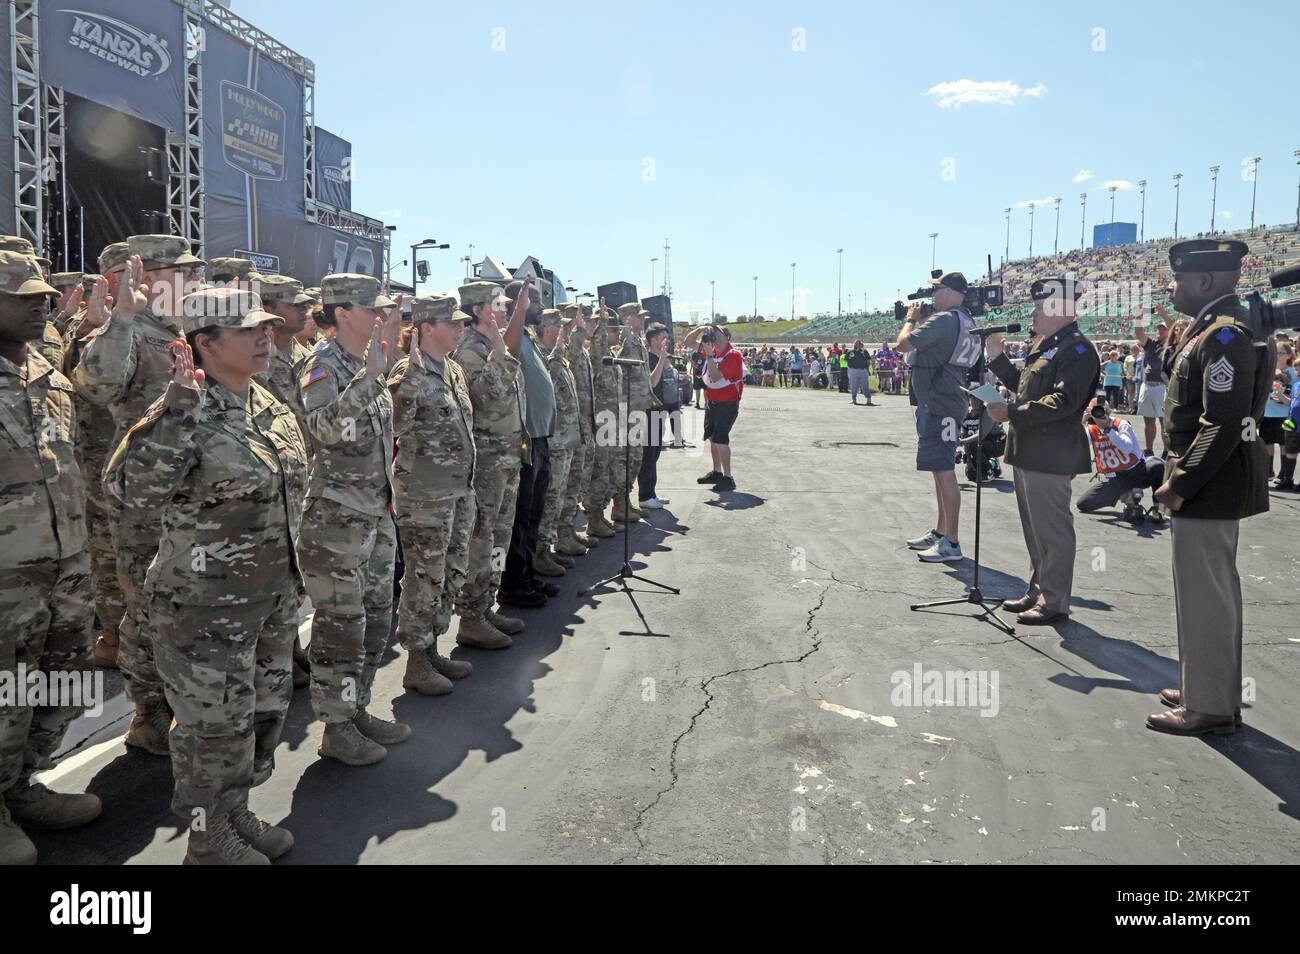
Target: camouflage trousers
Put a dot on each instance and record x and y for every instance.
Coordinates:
(609, 479)
(135, 647)
(46, 624)
(347, 560)
(437, 554)
(496, 485)
(227, 672)
(584, 457)
(109, 604)
(562, 459)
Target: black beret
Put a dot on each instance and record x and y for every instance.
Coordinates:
(1207, 255)
(1053, 287)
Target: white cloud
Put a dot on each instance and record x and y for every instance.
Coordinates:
(1083, 175)
(1123, 185)
(1028, 202)
(957, 93)
(1225, 214)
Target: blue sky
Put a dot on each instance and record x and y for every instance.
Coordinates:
(599, 130)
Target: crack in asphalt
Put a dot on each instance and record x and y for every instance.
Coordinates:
(708, 702)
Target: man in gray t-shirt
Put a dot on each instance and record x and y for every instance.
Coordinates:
(939, 353)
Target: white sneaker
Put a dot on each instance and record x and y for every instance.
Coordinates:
(925, 542)
(945, 551)
(654, 503)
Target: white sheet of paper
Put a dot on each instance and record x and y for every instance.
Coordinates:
(986, 393)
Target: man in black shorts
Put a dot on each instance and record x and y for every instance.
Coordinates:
(723, 375)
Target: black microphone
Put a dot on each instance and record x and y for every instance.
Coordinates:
(610, 359)
(1008, 329)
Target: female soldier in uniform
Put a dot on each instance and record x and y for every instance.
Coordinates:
(224, 464)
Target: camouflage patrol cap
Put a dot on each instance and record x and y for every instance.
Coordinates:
(313, 293)
(20, 275)
(162, 251)
(16, 243)
(113, 256)
(433, 308)
(629, 309)
(215, 307)
(478, 293)
(571, 310)
(346, 287)
(225, 268)
(551, 317)
(65, 280)
(282, 288)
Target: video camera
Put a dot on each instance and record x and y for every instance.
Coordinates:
(979, 298)
(1267, 317)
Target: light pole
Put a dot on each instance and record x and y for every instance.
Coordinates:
(1056, 240)
(1254, 184)
(755, 296)
(712, 310)
(839, 285)
(415, 259)
(1214, 194)
(1112, 206)
(792, 267)
(1031, 229)
(1007, 256)
(1083, 217)
(1178, 177)
(652, 279)
(934, 236)
(1142, 184)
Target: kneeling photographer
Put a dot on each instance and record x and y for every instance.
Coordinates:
(1047, 445)
(940, 351)
(1121, 462)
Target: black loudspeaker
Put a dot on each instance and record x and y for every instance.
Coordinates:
(616, 293)
(661, 311)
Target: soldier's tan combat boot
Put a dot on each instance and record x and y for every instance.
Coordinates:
(15, 847)
(32, 805)
(564, 559)
(598, 526)
(106, 647)
(619, 512)
(633, 508)
(422, 677)
(381, 730)
(569, 545)
(507, 624)
(150, 727)
(269, 840)
(344, 741)
(451, 668)
(220, 844)
(478, 632)
(544, 564)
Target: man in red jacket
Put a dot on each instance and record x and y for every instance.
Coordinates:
(724, 374)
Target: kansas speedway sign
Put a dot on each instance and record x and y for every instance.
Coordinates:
(118, 43)
(252, 131)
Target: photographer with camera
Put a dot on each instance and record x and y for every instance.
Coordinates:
(1047, 444)
(940, 347)
(724, 373)
(1121, 462)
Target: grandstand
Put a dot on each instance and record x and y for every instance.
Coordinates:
(1122, 275)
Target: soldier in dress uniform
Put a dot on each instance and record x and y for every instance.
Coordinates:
(433, 479)
(126, 365)
(565, 441)
(46, 606)
(347, 543)
(1046, 443)
(221, 463)
(568, 540)
(496, 390)
(1216, 474)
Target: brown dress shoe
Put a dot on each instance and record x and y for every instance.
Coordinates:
(1179, 721)
(1020, 605)
(1174, 697)
(1041, 617)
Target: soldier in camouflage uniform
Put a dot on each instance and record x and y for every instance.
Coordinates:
(347, 545)
(45, 596)
(50, 346)
(496, 390)
(641, 401)
(565, 441)
(239, 272)
(125, 365)
(433, 480)
(222, 463)
(568, 540)
(95, 431)
(607, 394)
(284, 298)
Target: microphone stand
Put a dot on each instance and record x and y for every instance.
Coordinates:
(625, 571)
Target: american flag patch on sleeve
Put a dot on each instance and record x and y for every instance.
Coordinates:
(311, 377)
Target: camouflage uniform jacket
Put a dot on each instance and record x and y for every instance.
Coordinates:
(433, 420)
(126, 366)
(607, 383)
(350, 424)
(95, 424)
(580, 365)
(640, 397)
(567, 432)
(281, 379)
(42, 506)
(226, 474)
(51, 346)
(495, 388)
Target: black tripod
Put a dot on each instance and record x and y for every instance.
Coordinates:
(625, 571)
(974, 595)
